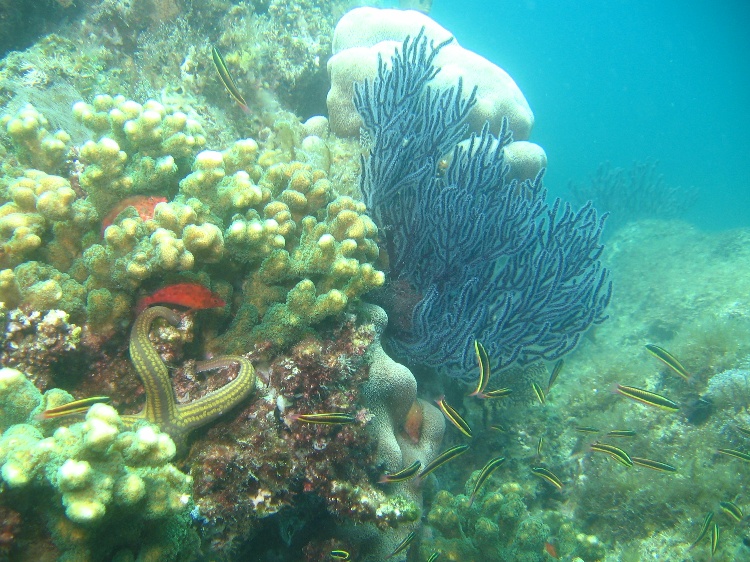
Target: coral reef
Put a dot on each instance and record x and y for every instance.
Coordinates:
(309, 250)
(285, 466)
(488, 257)
(37, 343)
(107, 490)
(364, 36)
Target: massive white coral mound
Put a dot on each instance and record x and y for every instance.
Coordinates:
(364, 34)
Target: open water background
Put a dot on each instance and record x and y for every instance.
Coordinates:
(628, 80)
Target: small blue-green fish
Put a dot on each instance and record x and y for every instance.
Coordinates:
(74, 407)
(484, 369)
(539, 447)
(547, 475)
(555, 373)
(488, 469)
(704, 529)
(648, 398)
(615, 452)
(586, 429)
(539, 391)
(443, 458)
(403, 545)
(735, 453)
(326, 418)
(653, 465)
(227, 80)
(434, 556)
(497, 427)
(743, 430)
(714, 538)
(403, 474)
(621, 433)
(668, 359)
(453, 416)
(340, 555)
(732, 510)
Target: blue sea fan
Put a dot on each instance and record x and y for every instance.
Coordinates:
(489, 258)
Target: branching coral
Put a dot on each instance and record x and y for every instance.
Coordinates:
(489, 258)
(307, 252)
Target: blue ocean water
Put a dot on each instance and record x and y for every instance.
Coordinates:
(622, 81)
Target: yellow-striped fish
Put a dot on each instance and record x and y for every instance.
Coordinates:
(326, 418)
(732, 510)
(586, 429)
(704, 529)
(648, 398)
(227, 80)
(735, 453)
(402, 475)
(615, 452)
(547, 475)
(539, 391)
(443, 458)
(555, 373)
(403, 545)
(497, 393)
(621, 433)
(653, 465)
(453, 416)
(539, 447)
(714, 538)
(488, 469)
(340, 555)
(434, 556)
(75, 407)
(484, 369)
(743, 430)
(668, 359)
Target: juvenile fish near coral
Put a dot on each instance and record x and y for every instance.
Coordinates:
(556, 370)
(434, 556)
(735, 453)
(443, 458)
(340, 555)
(704, 529)
(653, 465)
(488, 469)
(484, 369)
(732, 510)
(648, 398)
(539, 391)
(668, 359)
(547, 475)
(453, 416)
(497, 393)
(615, 452)
(402, 475)
(403, 545)
(714, 538)
(74, 407)
(227, 80)
(143, 204)
(586, 429)
(325, 418)
(621, 433)
(193, 296)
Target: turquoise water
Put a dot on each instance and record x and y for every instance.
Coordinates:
(623, 81)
